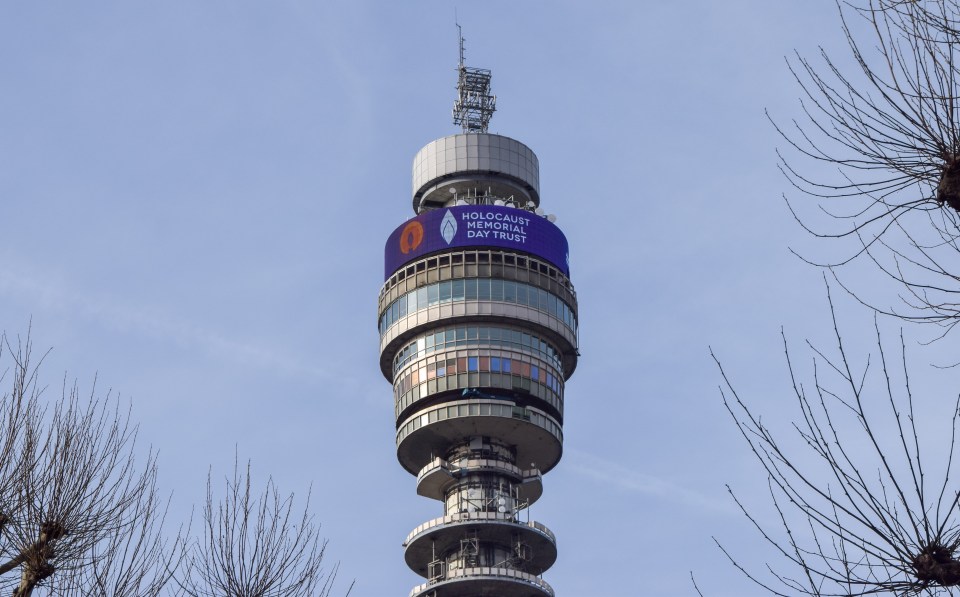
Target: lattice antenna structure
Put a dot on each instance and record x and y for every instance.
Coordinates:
(475, 104)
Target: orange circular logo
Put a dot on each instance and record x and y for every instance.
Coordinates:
(411, 237)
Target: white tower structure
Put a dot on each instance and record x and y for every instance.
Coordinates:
(478, 335)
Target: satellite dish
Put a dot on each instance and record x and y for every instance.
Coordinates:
(552, 218)
(460, 202)
(498, 202)
(453, 190)
(539, 211)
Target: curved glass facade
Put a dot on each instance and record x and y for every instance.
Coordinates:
(483, 289)
(478, 364)
(459, 371)
(475, 337)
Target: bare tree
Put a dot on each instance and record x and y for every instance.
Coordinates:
(879, 151)
(866, 497)
(139, 561)
(79, 516)
(72, 493)
(257, 545)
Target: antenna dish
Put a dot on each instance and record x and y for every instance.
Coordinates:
(461, 202)
(453, 190)
(551, 218)
(498, 202)
(538, 211)
(531, 204)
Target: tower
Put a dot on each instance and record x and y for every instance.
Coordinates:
(478, 334)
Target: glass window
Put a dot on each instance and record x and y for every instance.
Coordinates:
(446, 292)
(472, 364)
(496, 290)
(433, 294)
(476, 336)
(510, 291)
(521, 294)
(470, 289)
(483, 289)
(506, 365)
(494, 363)
(534, 372)
(421, 298)
(458, 291)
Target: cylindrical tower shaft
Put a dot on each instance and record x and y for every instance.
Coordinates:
(478, 335)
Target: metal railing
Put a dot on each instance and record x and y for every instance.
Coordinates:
(471, 517)
(464, 574)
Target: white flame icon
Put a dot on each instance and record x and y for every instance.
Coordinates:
(448, 227)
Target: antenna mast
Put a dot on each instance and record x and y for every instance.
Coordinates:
(475, 104)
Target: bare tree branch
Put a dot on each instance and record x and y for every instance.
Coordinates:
(888, 132)
(257, 545)
(76, 509)
(864, 510)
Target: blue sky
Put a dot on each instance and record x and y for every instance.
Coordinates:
(194, 197)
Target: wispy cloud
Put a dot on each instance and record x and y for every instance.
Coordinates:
(612, 473)
(48, 290)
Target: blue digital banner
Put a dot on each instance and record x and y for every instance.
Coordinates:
(476, 226)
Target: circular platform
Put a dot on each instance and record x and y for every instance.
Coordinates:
(486, 582)
(440, 535)
(429, 433)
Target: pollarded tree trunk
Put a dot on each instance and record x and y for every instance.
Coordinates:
(70, 486)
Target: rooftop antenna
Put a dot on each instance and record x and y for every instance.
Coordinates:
(475, 104)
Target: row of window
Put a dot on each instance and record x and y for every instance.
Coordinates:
(480, 409)
(507, 381)
(472, 336)
(484, 289)
(475, 364)
(477, 257)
